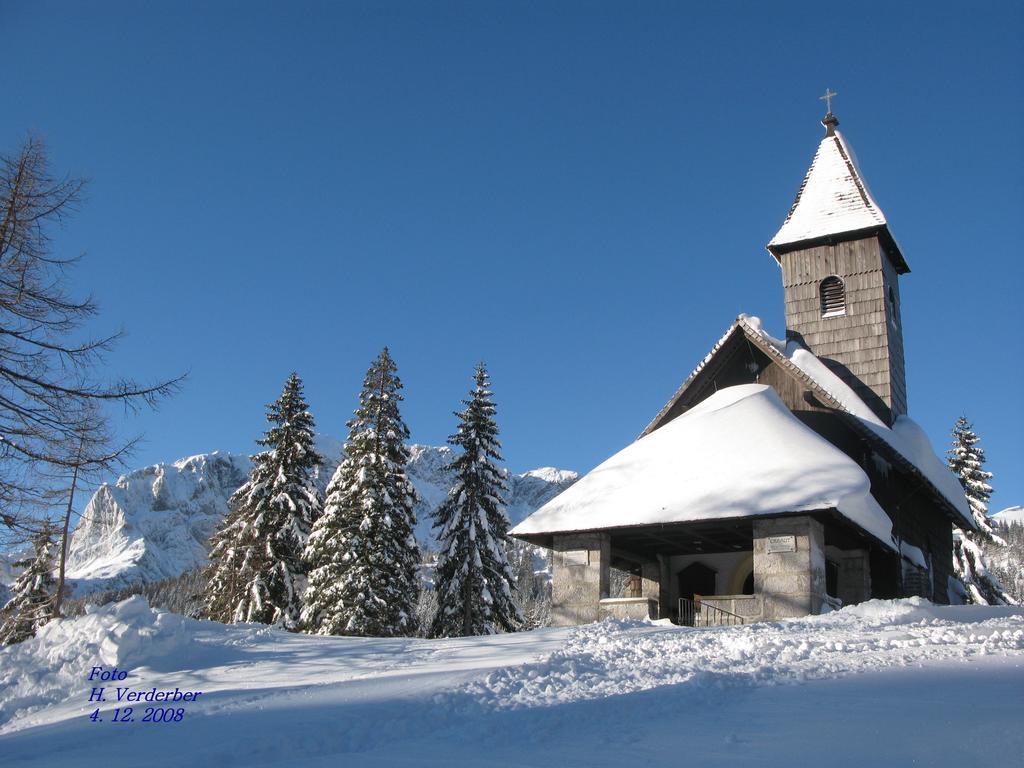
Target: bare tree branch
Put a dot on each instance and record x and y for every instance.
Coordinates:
(53, 387)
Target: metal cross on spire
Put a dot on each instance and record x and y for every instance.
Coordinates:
(827, 98)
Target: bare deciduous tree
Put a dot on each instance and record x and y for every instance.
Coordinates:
(54, 397)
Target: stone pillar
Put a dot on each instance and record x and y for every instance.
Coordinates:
(789, 566)
(651, 584)
(580, 565)
(854, 576)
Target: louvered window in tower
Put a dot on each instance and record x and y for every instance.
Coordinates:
(833, 297)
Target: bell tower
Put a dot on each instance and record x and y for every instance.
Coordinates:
(840, 274)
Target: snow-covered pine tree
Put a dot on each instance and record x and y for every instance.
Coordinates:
(475, 583)
(362, 555)
(256, 571)
(966, 459)
(981, 584)
(33, 595)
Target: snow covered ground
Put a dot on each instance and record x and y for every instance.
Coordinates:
(884, 683)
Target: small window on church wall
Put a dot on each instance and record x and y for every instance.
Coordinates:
(894, 317)
(833, 297)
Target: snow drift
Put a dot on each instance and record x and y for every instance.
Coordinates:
(603, 694)
(48, 668)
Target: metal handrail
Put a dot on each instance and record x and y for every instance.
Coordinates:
(694, 613)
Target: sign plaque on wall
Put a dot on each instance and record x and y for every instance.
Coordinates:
(781, 544)
(576, 557)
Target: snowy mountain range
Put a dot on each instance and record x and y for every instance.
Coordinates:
(1010, 516)
(154, 523)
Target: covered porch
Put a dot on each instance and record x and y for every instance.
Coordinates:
(735, 495)
(735, 570)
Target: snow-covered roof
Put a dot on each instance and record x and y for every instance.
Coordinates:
(833, 200)
(905, 439)
(739, 453)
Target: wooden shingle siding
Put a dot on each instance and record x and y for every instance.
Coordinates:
(864, 344)
(915, 522)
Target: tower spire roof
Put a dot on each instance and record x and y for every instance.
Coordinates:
(834, 202)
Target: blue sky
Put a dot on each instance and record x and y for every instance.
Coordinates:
(578, 194)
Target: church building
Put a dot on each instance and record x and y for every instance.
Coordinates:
(784, 476)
